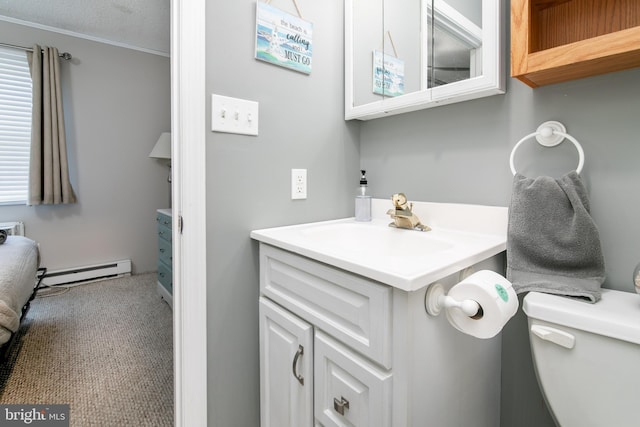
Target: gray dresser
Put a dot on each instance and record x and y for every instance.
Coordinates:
(165, 276)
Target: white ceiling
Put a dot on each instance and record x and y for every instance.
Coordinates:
(141, 24)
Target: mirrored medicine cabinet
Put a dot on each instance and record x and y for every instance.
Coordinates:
(407, 55)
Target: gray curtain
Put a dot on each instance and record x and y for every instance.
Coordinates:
(48, 170)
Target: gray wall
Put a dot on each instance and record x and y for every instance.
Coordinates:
(248, 181)
(117, 102)
(457, 153)
(460, 153)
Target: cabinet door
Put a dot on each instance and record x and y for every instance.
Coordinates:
(350, 391)
(286, 368)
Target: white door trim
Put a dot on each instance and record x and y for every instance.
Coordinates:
(189, 203)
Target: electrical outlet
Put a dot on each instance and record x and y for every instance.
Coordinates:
(298, 184)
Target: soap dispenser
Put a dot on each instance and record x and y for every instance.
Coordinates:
(363, 200)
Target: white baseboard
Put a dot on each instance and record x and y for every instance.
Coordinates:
(162, 291)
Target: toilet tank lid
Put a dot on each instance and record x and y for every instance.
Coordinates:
(616, 315)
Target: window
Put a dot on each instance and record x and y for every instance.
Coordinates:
(15, 125)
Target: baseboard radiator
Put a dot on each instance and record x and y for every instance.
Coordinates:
(14, 228)
(86, 274)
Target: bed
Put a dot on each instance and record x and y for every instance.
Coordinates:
(19, 261)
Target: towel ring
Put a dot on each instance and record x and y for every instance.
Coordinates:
(550, 134)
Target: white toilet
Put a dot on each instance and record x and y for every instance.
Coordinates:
(587, 357)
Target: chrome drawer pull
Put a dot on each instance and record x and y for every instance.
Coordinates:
(340, 405)
(299, 353)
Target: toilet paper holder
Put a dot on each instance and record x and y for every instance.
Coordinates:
(435, 300)
(479, 305)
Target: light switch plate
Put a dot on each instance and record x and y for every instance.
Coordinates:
(233, 115)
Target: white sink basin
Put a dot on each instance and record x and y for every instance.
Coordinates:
(373, 239)
(461, 236)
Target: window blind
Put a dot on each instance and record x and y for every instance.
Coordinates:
(15, 125)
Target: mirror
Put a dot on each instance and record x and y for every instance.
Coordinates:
(456, 41)
(406, 55)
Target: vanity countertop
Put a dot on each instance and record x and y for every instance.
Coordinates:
(461, 236)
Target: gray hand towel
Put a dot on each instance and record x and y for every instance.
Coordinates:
(553, 245)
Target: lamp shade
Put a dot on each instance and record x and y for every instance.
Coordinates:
(162, 149)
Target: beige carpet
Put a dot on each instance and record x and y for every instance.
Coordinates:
(103, 348)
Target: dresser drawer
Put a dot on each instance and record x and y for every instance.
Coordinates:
(163, 220)
(349, 307)
(164, 233)
(165, 277)
(349, 391)
(164, 226)
(164, 252)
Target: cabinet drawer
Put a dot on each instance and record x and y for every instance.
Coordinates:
(164, 233)
(165, 277)
(164, 252)
(163, 220)
(355, 310)
(164, 226)
(349, 391)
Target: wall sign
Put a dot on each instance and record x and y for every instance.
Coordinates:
(283, 39)
(388, 74)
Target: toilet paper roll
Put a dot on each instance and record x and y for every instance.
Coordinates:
(497, 299)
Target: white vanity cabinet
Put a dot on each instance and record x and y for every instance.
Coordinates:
(286, 368)
(301, 365)
(339, 349)
(349, 390)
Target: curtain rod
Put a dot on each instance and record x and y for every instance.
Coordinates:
(63, 55)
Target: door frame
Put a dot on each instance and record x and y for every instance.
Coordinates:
(188, 130)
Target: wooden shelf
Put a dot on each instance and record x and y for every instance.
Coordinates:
(559, 40)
